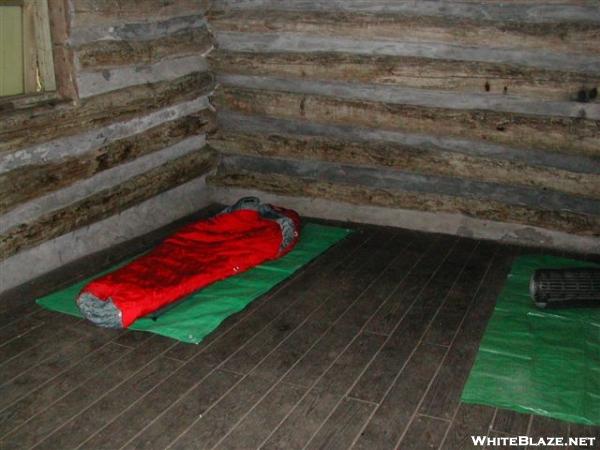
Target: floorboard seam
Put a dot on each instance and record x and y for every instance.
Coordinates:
(62, 396)
(429, 416)
(345, 348)
(33, 347)
(105, 394)
(453, 339)
(42, 361)
(317, 308)
(84, 409)
(360, 400)
(49, 381)
(299, 359)
(390, 387)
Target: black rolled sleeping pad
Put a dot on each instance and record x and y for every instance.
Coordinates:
(566, 288)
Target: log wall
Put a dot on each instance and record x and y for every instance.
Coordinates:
(128, 140)
(486, 111)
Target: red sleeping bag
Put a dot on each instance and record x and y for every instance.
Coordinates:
(237, 239)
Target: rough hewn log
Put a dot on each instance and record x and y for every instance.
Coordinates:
(407, 158)
(413, 72)
(106, 203)
(93, 12)
(140, 7)
(28, 182)
(104, 54)
(558, 36)
(301, 43)
(362, 195)
(105, 180)
(385, 178)
(419, 97)
(560, 134)
(131, 223)
(46, 122)
(135, 31)
(75, 145)
(245, 124)
(526, 11)
(91, 83)
(478, 108)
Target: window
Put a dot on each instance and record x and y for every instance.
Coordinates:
(26, 62)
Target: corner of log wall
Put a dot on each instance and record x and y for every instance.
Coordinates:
(486, 111)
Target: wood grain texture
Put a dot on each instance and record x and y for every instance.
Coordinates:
(405, 321)
(232, 122)
(106, 203)
(50, 121)
(406, 158)
(409, 71)
(397, 181)
(31, 181)
(104, 54)
(489, 210)
(468, 31)
(418, 97)
(92, 139)
(497, 92)
(44, 422)
(443, 396)
(136, 386)
(317, 405)
(512, 57)
(94, 83)
(393, 415)
(537, 11)
(150, 29)
(92, 12)
(558, 134)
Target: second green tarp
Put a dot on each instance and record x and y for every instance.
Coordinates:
(544, 362)
(198, 315)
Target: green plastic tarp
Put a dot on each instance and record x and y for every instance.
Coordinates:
(195, 317)
(544, 362)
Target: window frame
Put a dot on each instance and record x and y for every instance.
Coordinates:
(53, 58)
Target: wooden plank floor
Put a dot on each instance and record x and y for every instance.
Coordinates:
(367, 347)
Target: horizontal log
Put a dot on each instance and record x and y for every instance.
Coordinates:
(558, 36)
(104, 235)
(31, 181)
(411, 219)
(107, 80)
(25, 128)
(574, 136)
(385, 178)
(89, 13)
(406, 158)
(362, 195)
(61, 148)
(103, 54)
(105, 203)
(530, 12)
(419, 97)
(107, 179)
(301, 43)
(411, 72)
(229, 121)
(136, 31)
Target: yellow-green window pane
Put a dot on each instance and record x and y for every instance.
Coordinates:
(11, 50)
